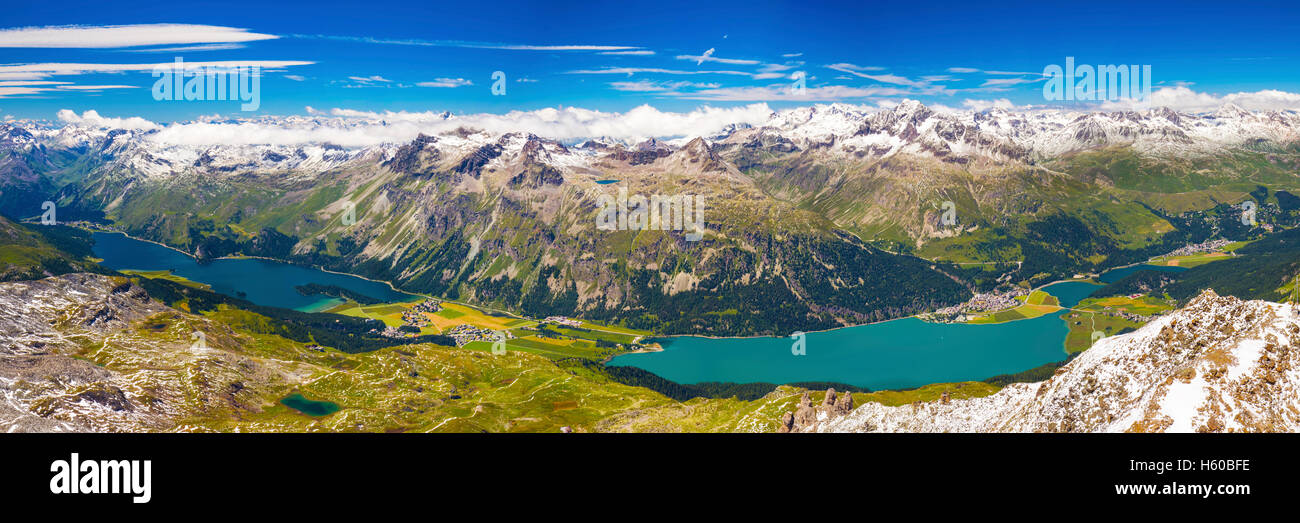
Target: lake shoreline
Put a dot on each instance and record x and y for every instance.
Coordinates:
(396, 289)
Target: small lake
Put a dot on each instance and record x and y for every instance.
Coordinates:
(264, 282)
(894, 354)
(314, 408)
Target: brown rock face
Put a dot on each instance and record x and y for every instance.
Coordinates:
(845, 404)
(805, 415)
(829, 402)
(787, 421)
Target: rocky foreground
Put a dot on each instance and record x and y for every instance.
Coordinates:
(1218, 365)
(86, 352)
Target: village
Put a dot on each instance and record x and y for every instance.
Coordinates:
(980, 303)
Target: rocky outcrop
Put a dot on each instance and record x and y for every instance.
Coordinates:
(806, 416)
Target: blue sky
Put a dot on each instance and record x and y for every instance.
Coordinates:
(434, 56)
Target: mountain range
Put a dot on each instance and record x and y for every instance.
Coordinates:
(818, 217)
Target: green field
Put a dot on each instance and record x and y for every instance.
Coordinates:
(167, 275)
(1142, 305)
(1082, 325)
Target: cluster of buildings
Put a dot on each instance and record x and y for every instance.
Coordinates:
(415, 318)
(561, 320)
(983, 302)
(430, 305)
(1196, 248)
(394, 332)
(466, 333)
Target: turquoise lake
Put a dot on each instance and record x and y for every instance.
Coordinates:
(263, 282)
(895, 354)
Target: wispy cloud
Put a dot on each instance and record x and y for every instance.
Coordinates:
(708, 57)
(636, 52)
(966, 70)
(783, 93)
(650, 86)
(42, 70)
(882, 78)
(110, 36)
(446, 82)
(773, 71)
(854, 69)
(97, 87)
(371, 80)
(468, 44)
(1009, 82)
(634, 70)
(186, 48)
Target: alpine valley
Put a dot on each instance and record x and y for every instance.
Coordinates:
(815, 218)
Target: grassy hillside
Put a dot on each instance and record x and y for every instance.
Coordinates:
(30, 252)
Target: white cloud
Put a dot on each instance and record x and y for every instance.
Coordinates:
(446, 82)
(93, 119)
(1181, 98)
(637, 52)
(294, 77)
(99, 37)
(963, 70)
(352, 128)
